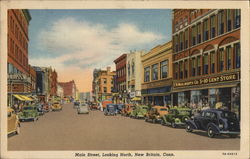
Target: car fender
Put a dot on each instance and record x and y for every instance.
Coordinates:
(214, 127)
(192, 124)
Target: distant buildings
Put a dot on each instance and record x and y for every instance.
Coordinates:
(85, 96)
(60, 92)
(69, 88)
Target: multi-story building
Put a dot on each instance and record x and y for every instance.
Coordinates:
(121, 72)
(85, 96)
(95, 85)
(60, 91)
(157, 75)
(206, 57)
(69, 89)
(32, 73)
(53, 83)
(19, 81)
(134, 74)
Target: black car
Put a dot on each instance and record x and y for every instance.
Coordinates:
(215, 122)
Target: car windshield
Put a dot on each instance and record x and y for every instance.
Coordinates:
(28, 108)
(163, 109)
(228, 115)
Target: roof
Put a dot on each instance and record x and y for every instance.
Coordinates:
(120, 58)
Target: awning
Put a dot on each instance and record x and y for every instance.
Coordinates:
(26, 98)
(136, 98)
(19, 97)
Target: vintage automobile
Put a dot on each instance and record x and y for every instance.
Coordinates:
(13, 122)
(28, 112)
(94, 106)
(76, 104)
(139, 111)
(156, 113)
(56, 106)
(111, 109)
(83, 109)
(176, 117)
(46, 107)
(120, 107)
(215, 122)
(126, 111)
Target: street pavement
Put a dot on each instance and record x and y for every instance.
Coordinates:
(66, 130)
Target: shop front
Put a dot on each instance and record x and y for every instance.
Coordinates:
(207, 91)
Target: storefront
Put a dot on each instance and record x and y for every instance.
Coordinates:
(206, 92)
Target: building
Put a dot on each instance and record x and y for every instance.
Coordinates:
(85, 96)
(19, 80)
(32, 73)
(206, 57)
(95, 87)
(134, 74)
(157, 75)
(69, 89)
(121, 71)
(60, 91)
(53, 83)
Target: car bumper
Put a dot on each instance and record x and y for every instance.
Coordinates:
(230, 132)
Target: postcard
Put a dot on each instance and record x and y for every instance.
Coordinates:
(124, 79)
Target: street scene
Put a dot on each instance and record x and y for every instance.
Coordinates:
(124, 79)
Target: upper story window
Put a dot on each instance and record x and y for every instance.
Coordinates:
(128, 69)
(193, 35)
(185, 68)
(212, 62)
(228, 57)
(205, 33)
(181, 69)
(186, 39)
(199, 65)
(176, 70)
(147, 74)
(229, 19)
(237, 55)
(205, 64)
(105, 80)
(221, 60)
(236, 18)
(193, 65)
(133, 68)
(105, 89)
(164, 69)
(176, 43)
(198, 33)
(221, 22)
(212, 26)
(155, 72)
(181, 40)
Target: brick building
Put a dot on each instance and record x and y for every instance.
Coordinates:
(19, 80)
(206, 57)
(121, 73)
(69, 88)
(53, 83)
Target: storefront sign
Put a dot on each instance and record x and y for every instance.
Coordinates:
(19, 77)
(208, 80)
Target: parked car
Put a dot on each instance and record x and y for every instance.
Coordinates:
(46, 107)
(126, 111)
(56, 106)
(76, 104)
(13, 122)
(28, 112)
(120, 107)
(156, 113)
(83, 109)
(176, 117)
(215, 122)
(111, 109)
(94, 106)
(139, 111)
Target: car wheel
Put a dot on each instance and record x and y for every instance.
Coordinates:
(188, 128)
(173, 125)
(18, 129)
(210, 132)
(233, 135)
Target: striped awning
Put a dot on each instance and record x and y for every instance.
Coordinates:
(19, 97)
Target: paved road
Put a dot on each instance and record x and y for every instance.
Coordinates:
(66, 130)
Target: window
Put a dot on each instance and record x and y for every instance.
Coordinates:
(212, 61)
(186, 39)
(237, 55)
(176, 43)
(221, 59)
(133, 68)
(181, 40)
(105, 80)
(221, 22)
(193, 36)
(176, 70)
(147, 74)
(199, 65)
(185, 68)
(193, 63)
(212, 26)
(155, 72)
(164, 69)
(205, 33)
(228, 57)
(236, 18)
(128, 69)
(181, 69)
(205, 64)
(105, 89)
(198, 33)
(229, 21)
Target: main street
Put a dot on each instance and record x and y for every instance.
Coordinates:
(66, 130)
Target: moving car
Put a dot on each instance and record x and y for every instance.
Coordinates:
(56, 106)
(139, 111)
(83, 109)
(215, 122)
(13, 122)
(29, 112)
(156, 113)
(111, 109)
(176, 117)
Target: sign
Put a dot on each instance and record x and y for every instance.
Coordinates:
(208, 80)
(132, 94)
(19, 77)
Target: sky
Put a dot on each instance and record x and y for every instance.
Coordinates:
(74, 42)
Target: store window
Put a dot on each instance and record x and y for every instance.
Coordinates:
(205, 64)
(228, 57)
(186, 39)
(236, 18)
(176, 70)
(193, 63)
(236, 101)
(199, 65)
(155, 72)
(199, 98)
(206, 33)
(237, 55)
(212, 26)
(221, 60)
(193, 35)
(229, 20)
(221, 22)
(181, 69)
(147, 74)
(212, 97)
(212, 62)
(198, 33)
(164, 69)
(185, 68)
